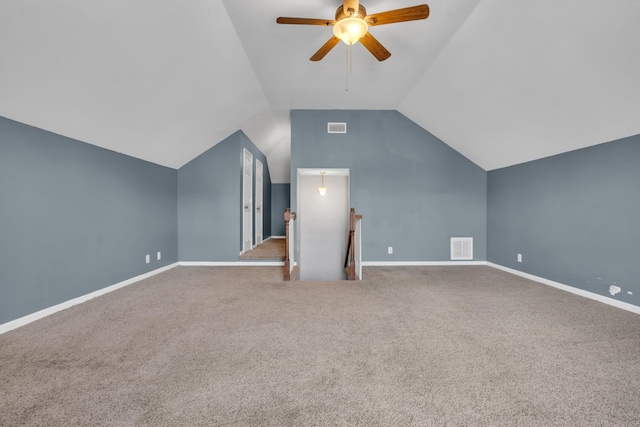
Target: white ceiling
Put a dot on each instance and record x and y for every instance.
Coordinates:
(501, 81)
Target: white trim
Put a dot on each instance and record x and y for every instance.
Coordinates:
(328, 172)
(419, 263)
(14, 324)
(245, 202)
(277, 237)
(6, 327)
(231, 263)
(587, 294)
(255, 203)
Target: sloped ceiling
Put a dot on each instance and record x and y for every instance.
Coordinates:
(501, 81)
(523, 80)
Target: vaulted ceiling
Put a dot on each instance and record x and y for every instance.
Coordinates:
(501, 81)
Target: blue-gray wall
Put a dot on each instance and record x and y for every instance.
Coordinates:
(209, 201)
(75, 218)
(280, 201)
(414, 191)
(574, 218)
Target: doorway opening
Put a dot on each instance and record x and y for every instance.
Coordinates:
(322, 223)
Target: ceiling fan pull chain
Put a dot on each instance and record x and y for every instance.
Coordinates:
(346, 87)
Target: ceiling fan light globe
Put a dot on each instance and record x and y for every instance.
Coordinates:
(350, 30)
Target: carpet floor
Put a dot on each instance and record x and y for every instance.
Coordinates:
(407, 346)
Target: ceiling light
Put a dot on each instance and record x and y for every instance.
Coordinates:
(350, 30)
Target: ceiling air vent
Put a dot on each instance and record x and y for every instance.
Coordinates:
(461, 248)
(333, 127)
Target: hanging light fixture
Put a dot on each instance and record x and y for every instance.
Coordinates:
(322, 189)
(350, 28)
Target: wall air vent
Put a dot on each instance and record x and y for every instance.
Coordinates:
(333, 127)
(461, 248)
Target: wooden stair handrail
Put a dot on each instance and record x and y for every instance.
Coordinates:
(350, 258)
(288, 216)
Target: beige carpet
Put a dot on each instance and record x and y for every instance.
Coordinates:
(410, 346)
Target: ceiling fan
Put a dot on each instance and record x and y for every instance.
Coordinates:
(352, 25)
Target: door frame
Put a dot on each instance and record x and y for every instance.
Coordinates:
(247, 200)
(259, 203)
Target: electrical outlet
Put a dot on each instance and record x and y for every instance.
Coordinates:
(390, 250)
(159, 256)
(519, 257)
(148, 259)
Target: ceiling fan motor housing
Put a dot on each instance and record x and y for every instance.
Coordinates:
(362, 12)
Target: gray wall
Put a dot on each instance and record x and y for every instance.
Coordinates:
(573, 217)
(209, 201)
(414, 191)
(75, 218)
(280, 201)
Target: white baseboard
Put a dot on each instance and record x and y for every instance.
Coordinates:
(419, 263)
(6, 327)
(231, 263)
(597, 297)
(278, 237)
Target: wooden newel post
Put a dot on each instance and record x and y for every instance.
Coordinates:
(352, 259)
(288, 216)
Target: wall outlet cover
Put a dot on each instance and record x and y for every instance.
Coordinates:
(390, 250)
(159, 256)
(148, 259)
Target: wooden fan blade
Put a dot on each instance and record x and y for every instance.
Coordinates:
(350, 7)
(306, 21)
(325, 49)
(412, 13)
(375, 47)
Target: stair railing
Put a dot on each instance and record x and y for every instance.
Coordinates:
(353, 258)
(289, 217)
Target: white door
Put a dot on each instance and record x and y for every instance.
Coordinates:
(247, 189)
(259, 207)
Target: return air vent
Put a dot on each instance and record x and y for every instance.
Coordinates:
(461, 248)
(333, 127)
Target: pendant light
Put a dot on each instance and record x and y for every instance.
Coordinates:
(322, 189)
